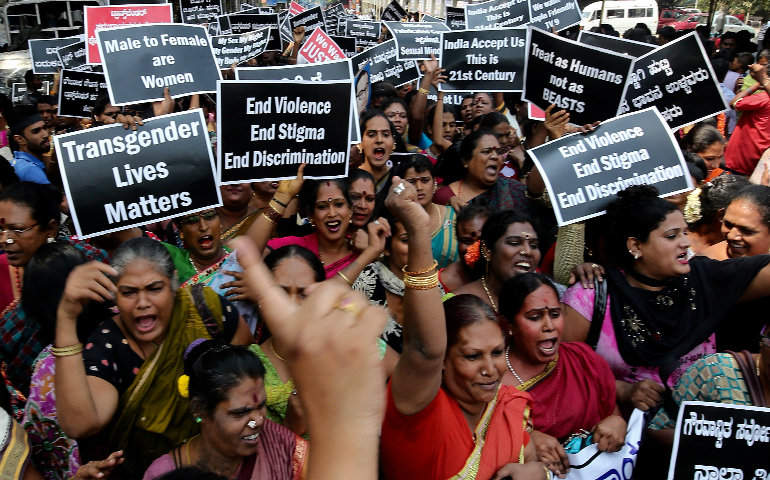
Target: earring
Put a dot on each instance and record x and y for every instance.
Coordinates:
(636, 256)
(510, 332)
(360, 148)
(198, 419)
(50, 240)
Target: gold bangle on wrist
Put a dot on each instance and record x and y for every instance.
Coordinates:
(346, 278)
(271, 214)
(421, 272)
(548, 475)
(67, 351)
(421, 283)
(423, 91)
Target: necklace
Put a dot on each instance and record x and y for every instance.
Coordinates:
(460, 189)
(438, 216)
(510, 367)
(276, 353)
(489, 295)
(18, 281)
(758, 367)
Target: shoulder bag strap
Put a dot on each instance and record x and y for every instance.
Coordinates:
(749, 370)
(600, 307)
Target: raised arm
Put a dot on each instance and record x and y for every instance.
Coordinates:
(260, 231)
(429, 69)
(759, 287)
(417, 377)
(440, 144)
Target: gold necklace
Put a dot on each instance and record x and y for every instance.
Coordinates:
(757, 363)
(276, 353)
(489, 295)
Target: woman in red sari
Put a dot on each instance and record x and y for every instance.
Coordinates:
(573, 388)
(447, 415)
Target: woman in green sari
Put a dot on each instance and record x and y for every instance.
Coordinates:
(124, 376)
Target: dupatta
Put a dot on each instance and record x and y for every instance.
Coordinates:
(152, 417)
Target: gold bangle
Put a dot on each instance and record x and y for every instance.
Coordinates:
(421, 283)
(423, 91)
(346, 278)
(421, 272)
(547, 473)
(271, 214)
(764, 85)
(67, 351)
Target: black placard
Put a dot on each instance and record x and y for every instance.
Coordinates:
(616, 44)
(584, 172)
(117, 178)
(428, 18)
(365, 32)
(223, 25)
(311, 19)
(394, 12)
(200, 11)
(347, 44)
(286, 33)
(455, 18)
(73, 57)
(19, 89)
(331, 18)
(489, 60)
(557, 14)
(678, 79)
(266, 129)
(496, 14)
(249, 22)
(417, 40)
(721, 441)
(588, 82)
(43, 52)
(229, 49)
(450, 98)
(141, 60)
(78, 92)
(385, 67)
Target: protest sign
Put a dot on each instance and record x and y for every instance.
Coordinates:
(78, 91)
(19, 89)
(584, 172)
(141, 60)
(136, 2)
(678, 79)
(365, 32)
(267, 129)
(116, 16)
(117, 178)
(44, 53)
(334, 70)
(450, 98)
(496, 14)
(556, 14)
(286, 33)
(384, 65)
(416, 40)
(249, 22)
(265, 9)
(346, 44)
(295, 8)
(331, 18)
(310, 19)
(223, 25)
(319, 48)
(490, 60)
(587, 81)
(535, 113)
(229, 49)
(246, 7)
(616, 44)
(200, 11)
(393, 12)
(73, 57)
(721, 441)
(455, 18)
(428, 18)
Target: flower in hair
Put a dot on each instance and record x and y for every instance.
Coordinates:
(194, 344)
(183, 385)
(473, 254)
(692, 209)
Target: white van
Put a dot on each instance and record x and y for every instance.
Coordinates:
(622, 15)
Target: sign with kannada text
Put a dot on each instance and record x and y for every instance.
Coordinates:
(78, 91)
(117, 16)
(44, 53)
(417, 41)
(385, 66)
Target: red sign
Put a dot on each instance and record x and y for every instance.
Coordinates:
(117, 16)
(320, 48)
(295, 8)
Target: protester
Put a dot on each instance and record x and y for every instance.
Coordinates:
(362, 197)
(707, 142)
(441, 126)
(30, 143)
(45, 107)
(750, 138)
(705, 209)
(378, 142)
(470, 222)
(236, 215)
(33, 83)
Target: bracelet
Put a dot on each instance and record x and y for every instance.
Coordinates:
(271, 214)
(423, 91)
(764, 85)
(548, 474)
(280, 202)
(67, 351)
(435, 264)
(421, 283)
(346, 278)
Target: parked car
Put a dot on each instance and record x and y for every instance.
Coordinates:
(688, 21)
(667, 17)
(732, 24)
(621, 14)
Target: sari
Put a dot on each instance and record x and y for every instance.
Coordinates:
(152, 416)
(436, 443)
(278, 393)
(186, 271)
(241, 227)
(444, 240)
(14, 448)
(311, 243)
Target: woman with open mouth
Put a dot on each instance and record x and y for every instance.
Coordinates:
(572, 387)
(204, 253)
(378, 141)
(225, 385)
(122, 374)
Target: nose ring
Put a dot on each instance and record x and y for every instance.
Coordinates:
(253, 423)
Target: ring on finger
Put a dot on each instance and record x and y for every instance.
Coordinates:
(594, 265)
(349, 306)
(376, 222)
(399, 188)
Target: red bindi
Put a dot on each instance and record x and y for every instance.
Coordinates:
(364, 192)
(328, 184)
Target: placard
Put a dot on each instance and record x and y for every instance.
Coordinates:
(78, 91)
(584, 172)
(267, 129)
(19, 89)
(556, 14)
(295, 8)
(286, 34)
(496, 14)
(246, 7)
(428, 18)
(117, 179)
(319, 48)
(384, 65)
(310, 19)
(73, 57)
(721, 441)
(394, 12)
(616, 44)
(249, 22)
(332, 15)
(588, 82)
(346, 44)
(116, 16)
(489, 60)
(335, 70)
(136, 2)
(200, 11)
(416, 40)
(678, 79)
(43, 53)
(455, 18)
(450, 98)
(365, 32)
(236, 49)
(141, 60)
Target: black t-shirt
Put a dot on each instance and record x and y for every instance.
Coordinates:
(108, 356)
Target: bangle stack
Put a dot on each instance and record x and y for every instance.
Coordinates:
(67, 351)
(271, 214)
(421, 283)
(423, 91)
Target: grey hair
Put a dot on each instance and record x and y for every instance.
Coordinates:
(147, 249)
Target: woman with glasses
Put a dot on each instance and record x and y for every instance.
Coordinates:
(204, 253)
